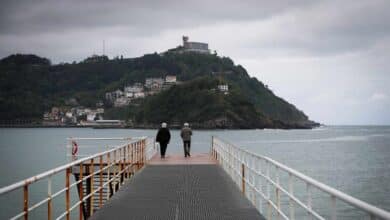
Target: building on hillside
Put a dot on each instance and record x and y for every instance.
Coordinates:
(55, 111)
(99, 103)
(129, 94)
(112, 96)
(134, 90)
(223, 88)
(136, 87)
(91, 116)
(154, 83)
(195, 46)
(170, 79)
(139, 95)
(121, 101)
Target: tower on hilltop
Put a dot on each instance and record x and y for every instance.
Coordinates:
(185, 41)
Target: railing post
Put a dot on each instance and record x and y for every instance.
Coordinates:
(333, 207)
(140, 154)
(243, 178)
(25, 201)
(114, 174)
(260, 185)
(120, 167)
(308, 191)
(91, 171)
(132, 158)
(125, 162)
(268, 191)
(291, 191)
(137, 154)
(81, 192)
(67, 193)
(128, 161)
(212, 146)
(101, 181)
(49, 202)
(109, 175)
(277, 190)
(253, 177)
(143, 152)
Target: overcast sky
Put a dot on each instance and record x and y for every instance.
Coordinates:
(329, 58)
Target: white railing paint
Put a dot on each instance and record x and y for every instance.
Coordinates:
(138, 151)
(245, 169)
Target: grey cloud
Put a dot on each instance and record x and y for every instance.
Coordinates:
(49, 16)
(327, 28)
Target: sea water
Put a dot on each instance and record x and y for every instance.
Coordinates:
(353, 159)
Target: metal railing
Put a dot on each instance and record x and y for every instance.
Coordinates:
(88, 146)
(116, 164)
(252, 173)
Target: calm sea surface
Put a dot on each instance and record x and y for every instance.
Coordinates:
(353, 159)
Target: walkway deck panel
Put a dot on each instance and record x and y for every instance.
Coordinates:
(179, 192)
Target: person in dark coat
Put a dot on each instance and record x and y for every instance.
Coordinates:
(186, 134)
(163, 137)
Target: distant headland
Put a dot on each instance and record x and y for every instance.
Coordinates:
(184, 84)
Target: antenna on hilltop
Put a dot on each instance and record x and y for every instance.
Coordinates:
(104, 47)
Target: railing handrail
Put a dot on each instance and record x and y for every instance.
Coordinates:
(332, 191)
(373, 210)
(58, 169)
(104, 138)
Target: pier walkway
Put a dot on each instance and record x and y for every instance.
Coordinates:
(179, 188)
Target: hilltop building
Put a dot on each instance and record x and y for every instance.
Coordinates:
(195, 46)
(95, 59)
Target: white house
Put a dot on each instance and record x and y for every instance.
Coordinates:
(170, 79)
(137, 87)
(223, 88)
(139, 95)
(154, 83)
(129, 94)
(121, 101)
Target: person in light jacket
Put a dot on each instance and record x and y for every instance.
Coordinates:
(185, 134)
(163, 137)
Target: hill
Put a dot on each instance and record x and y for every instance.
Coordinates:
(30, 85)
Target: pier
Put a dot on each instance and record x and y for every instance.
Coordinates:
(131, 181)
(179, 188)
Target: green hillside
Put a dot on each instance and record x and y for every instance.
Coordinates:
(30, 85)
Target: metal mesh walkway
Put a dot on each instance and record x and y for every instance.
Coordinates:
(179, 192)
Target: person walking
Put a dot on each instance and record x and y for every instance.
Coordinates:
(185, 134)
(163, 137)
